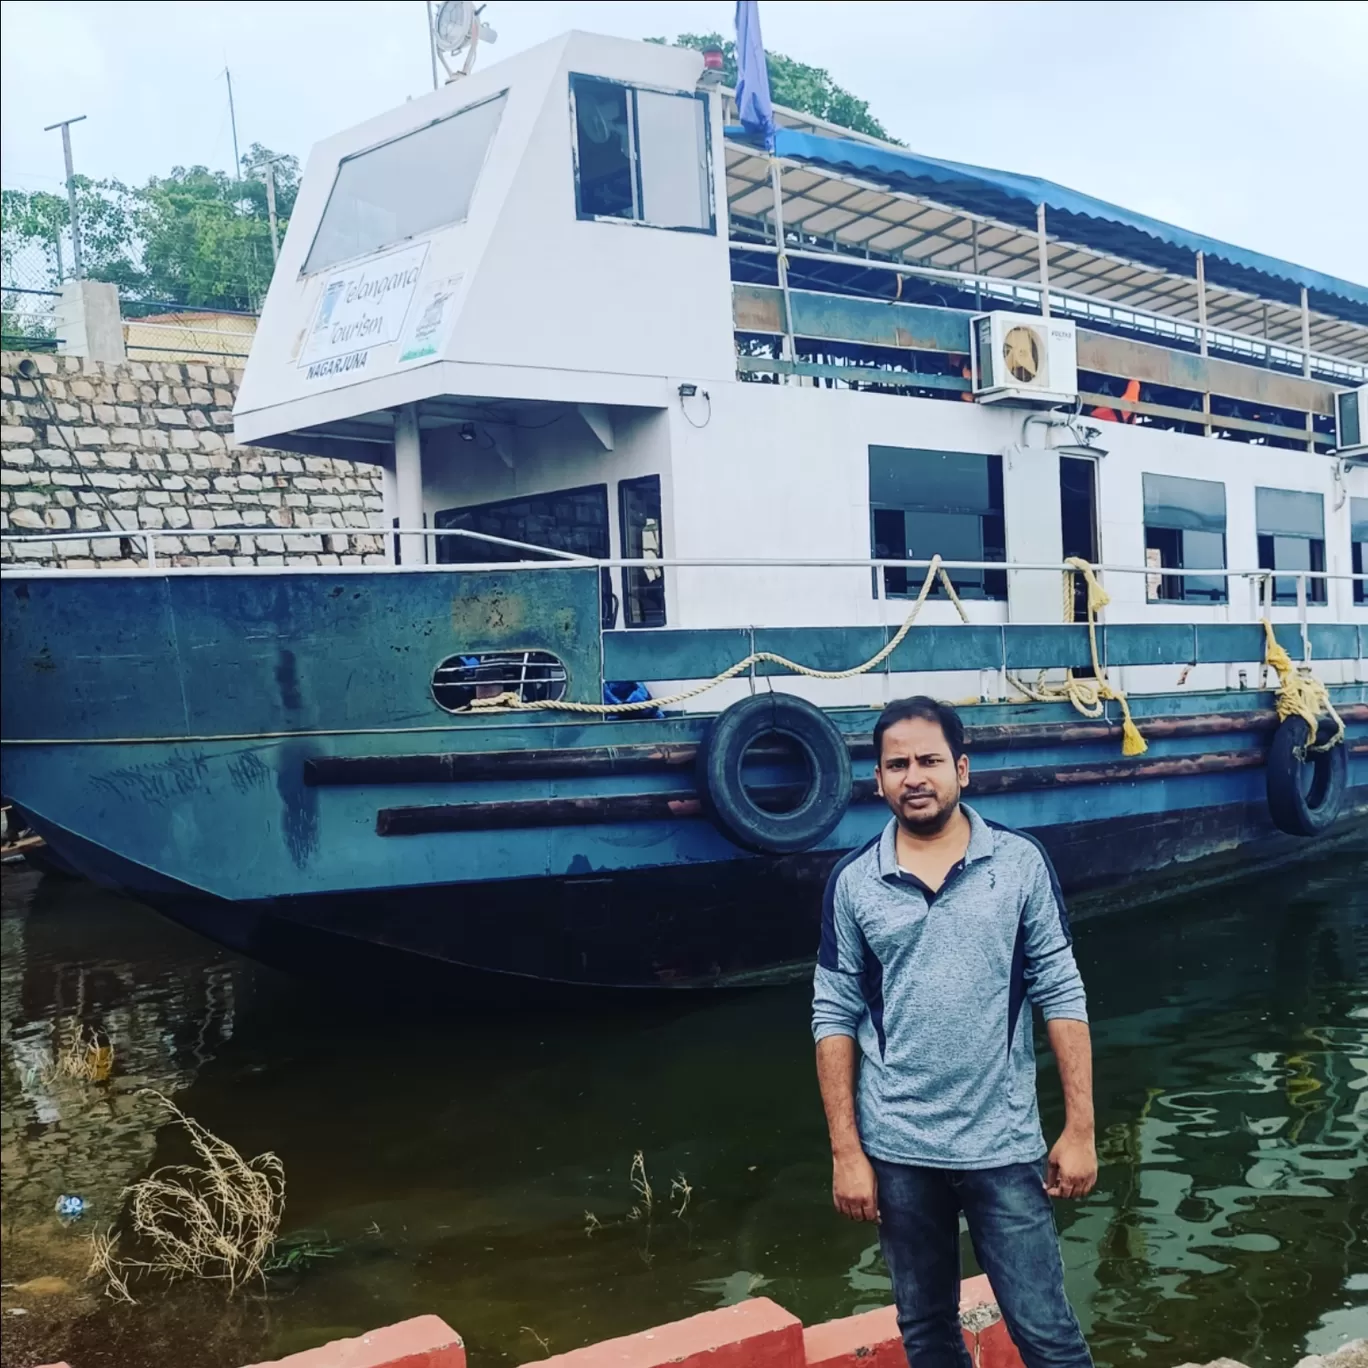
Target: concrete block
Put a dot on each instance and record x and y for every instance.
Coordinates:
(88, 321)
(753, 1334)
(872, 1340)
(17, 436)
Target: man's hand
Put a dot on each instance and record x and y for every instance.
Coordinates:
(1071, 1170)
(854, 1188)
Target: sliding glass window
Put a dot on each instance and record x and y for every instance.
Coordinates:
(1291, 527)
(946, 503)
(1185, 529)
(1358, 546)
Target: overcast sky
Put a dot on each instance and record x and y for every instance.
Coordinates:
(1242, 121)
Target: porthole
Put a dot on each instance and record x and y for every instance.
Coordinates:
(533, 676)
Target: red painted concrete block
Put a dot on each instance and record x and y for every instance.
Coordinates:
(423, 1342)
(753, 1334)
(872, 1340)
(869, 1341)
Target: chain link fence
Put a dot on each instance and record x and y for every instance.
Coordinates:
(31, 278)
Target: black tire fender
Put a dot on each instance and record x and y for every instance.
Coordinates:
(724, 795)
(1296, 806)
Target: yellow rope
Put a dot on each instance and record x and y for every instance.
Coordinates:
(1300, 693)
(1087, 695)
(512, 701)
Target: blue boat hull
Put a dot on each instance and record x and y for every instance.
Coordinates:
(261, 757)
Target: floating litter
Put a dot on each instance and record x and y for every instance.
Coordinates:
(70, 1208)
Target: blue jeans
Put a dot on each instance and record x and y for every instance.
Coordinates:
(1013, 1231)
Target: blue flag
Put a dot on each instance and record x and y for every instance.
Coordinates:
(752, 76)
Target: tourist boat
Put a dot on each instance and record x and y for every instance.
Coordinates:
(651, 401)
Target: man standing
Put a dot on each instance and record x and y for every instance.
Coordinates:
(933, 937)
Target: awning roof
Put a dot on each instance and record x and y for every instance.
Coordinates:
(869, 198)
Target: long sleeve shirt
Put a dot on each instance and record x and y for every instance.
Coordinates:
(933, 987)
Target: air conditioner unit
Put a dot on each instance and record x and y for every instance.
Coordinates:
(1024, 359)
(1351, 422)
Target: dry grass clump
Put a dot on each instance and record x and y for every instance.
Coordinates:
(215, 1220)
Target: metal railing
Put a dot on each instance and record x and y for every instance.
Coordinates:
(146, 538)
(1261, 581)
(1084, 307)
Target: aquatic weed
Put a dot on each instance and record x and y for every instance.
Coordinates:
(215, 1220)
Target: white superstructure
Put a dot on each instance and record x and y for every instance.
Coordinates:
(520, 295)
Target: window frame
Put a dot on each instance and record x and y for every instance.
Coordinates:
(306, 271)
(625, 488)
(1178, 574)
(632, 87)
(993, 584)
(1317, 590)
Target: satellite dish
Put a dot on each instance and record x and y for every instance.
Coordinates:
(456, 29)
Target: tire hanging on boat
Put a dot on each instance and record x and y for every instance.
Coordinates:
(1299, 807)
(733, 809)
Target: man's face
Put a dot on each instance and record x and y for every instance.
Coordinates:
(918, 777)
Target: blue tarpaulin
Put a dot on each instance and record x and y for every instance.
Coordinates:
(1077, 218)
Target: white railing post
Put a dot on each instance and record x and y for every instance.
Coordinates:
(1301, 618)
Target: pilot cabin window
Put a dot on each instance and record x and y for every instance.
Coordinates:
(1185, 529)
(409, 185)
(641, 155)
(1291, 525)
(945, 503)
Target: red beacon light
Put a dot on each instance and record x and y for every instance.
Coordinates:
(712, 66)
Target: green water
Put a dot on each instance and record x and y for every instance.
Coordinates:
(451, 1154)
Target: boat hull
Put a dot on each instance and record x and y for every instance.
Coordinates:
(262, 757)
(738, 923)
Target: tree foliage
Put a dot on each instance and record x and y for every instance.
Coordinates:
(794, 84)
(195, 237)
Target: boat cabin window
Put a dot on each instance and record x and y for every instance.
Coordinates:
(409, 185)
(574, 520)
(1185, 529)
(946, 503)
(1291, 526)
(1358, 546)
(643, 589)
(641, 155)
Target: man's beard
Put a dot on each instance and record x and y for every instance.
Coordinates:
(928, 824)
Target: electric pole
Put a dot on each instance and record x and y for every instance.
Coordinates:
(77, 269)
(232, 119)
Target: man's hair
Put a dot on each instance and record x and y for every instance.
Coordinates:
(929, 710)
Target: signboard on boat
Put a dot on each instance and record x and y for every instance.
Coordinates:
(361, 307)
(431, 321)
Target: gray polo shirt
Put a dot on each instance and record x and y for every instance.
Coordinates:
(932, 987)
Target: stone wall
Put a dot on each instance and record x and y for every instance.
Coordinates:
(89, 445)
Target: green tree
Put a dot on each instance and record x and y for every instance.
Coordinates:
(195, 237)
(794, 84)
(37, 225)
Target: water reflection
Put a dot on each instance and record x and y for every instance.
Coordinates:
(453, 1154)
